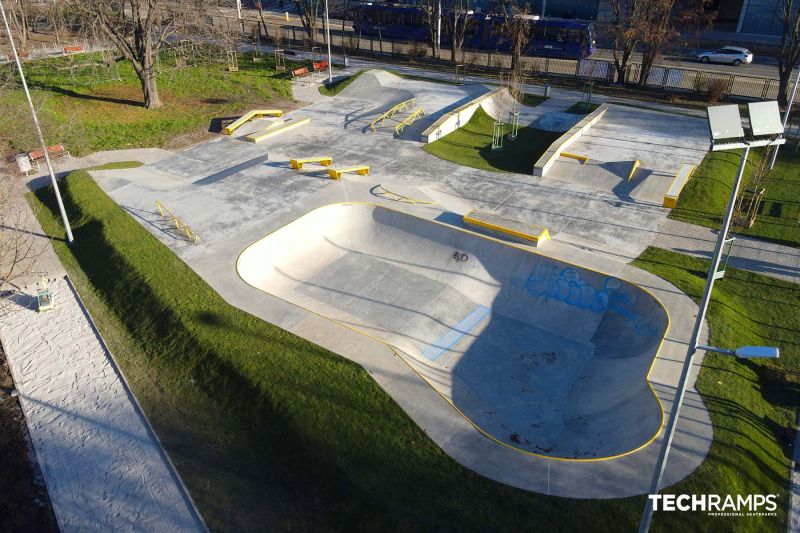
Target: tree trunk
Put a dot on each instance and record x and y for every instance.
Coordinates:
(147, 77)
(783, 86)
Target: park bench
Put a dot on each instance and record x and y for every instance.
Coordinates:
(73, 49)
(683, 175)
(336, 173)
(58, 150)
(320, 65)
(297, 164)
(300, 72)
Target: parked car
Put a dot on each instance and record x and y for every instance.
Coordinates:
(733, 55)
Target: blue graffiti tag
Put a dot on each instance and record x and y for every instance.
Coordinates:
(566, 285)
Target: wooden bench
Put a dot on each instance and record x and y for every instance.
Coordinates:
(507, 227)
(22, 55)
(297, 164)
(683, 175)
(336, 173)
(320, 65)
(58, 150)
(300, 72)
(73, 49)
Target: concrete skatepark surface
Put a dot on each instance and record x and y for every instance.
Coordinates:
(233, 193)
(543, 356)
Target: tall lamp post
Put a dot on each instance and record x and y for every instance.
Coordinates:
(328, 40)
(726, 134)
(53, 181)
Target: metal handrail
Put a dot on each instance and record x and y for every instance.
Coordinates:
(397, 108)
(180, 225)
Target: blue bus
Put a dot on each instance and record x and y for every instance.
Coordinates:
(550, 37)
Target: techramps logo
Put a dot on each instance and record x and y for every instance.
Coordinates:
(717, 504)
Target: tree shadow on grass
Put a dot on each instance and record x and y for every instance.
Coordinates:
(82, 96)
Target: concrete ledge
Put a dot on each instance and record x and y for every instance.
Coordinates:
(456, 118)
(547, 160)
(683, 176)
(506, 228)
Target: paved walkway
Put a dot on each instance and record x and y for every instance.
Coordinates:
(104, 468)
(793, 523)
(775, 260)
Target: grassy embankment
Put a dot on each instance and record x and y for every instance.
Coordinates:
(254, 415)
(705, 196)
(88, 110)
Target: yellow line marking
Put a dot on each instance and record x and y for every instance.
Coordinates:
(398, 353)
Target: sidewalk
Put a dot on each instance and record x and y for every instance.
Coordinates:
(775, 260)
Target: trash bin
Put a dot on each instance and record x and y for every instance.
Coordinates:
(547, 90)
(24, 163)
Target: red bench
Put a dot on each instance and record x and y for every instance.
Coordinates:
(22, 55)
(57, 150)
(73, 49)
(320, 65)
(300, 72)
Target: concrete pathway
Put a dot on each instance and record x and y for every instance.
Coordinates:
(775, 260)
(793, 522)
(104, 468)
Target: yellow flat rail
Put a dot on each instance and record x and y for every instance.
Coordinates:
(397, 108)
(582, 158)
(250, 115)
(297, 164)
(633, 170)
(389, 195)
(269, 132)
(336, 173)
(179, 224)
(419, 112)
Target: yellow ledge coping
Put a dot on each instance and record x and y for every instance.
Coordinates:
(533, 234)
(681, 178)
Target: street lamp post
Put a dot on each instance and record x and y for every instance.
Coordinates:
(725, 124)
(328, 39)
(53, 181)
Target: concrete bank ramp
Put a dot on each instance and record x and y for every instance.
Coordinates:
(377, 86)
(542, 356)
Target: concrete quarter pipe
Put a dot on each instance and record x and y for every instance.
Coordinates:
(541, 356)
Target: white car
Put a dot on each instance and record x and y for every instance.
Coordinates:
(733, 55)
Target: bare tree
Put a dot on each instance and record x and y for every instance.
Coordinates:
(138, 28)
(430, 18)
(18, 20)
(309, 10)
(517, 28)
(20, 247)
(624, 32)
(458, 25)
(789, 55)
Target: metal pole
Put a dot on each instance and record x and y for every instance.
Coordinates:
(53, 181)
(439, 29)
(785, 118)
(669, 433)
(328, 39)
(239, 14)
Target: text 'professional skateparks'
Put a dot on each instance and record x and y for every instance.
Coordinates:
(542, 356)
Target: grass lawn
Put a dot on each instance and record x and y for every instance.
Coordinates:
(705, 196)
(339, 85)
(750, 401)
(252, 414)
(88, 111)
(532, 100)
(471, 146)
(581, 108)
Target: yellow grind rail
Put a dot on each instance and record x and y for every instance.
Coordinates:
(397, 108)
(582, 158)
(419, 112)
(180, 225)
(323, 160)
(336, 173)
(269, 132)
(389, 195)
(250, 115)
(633, 169)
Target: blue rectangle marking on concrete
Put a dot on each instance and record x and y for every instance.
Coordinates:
(446, 341)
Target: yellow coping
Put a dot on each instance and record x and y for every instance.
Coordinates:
(297, 164)
(633, 169)
(391, 195)
(478, 428)
(250, 115)
(683, 175)
(269, 132)
(582, 158)
(336, 173)
(542, 235)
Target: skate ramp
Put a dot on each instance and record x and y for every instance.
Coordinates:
(541, 356)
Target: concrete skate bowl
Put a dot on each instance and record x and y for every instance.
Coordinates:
(541, 356)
